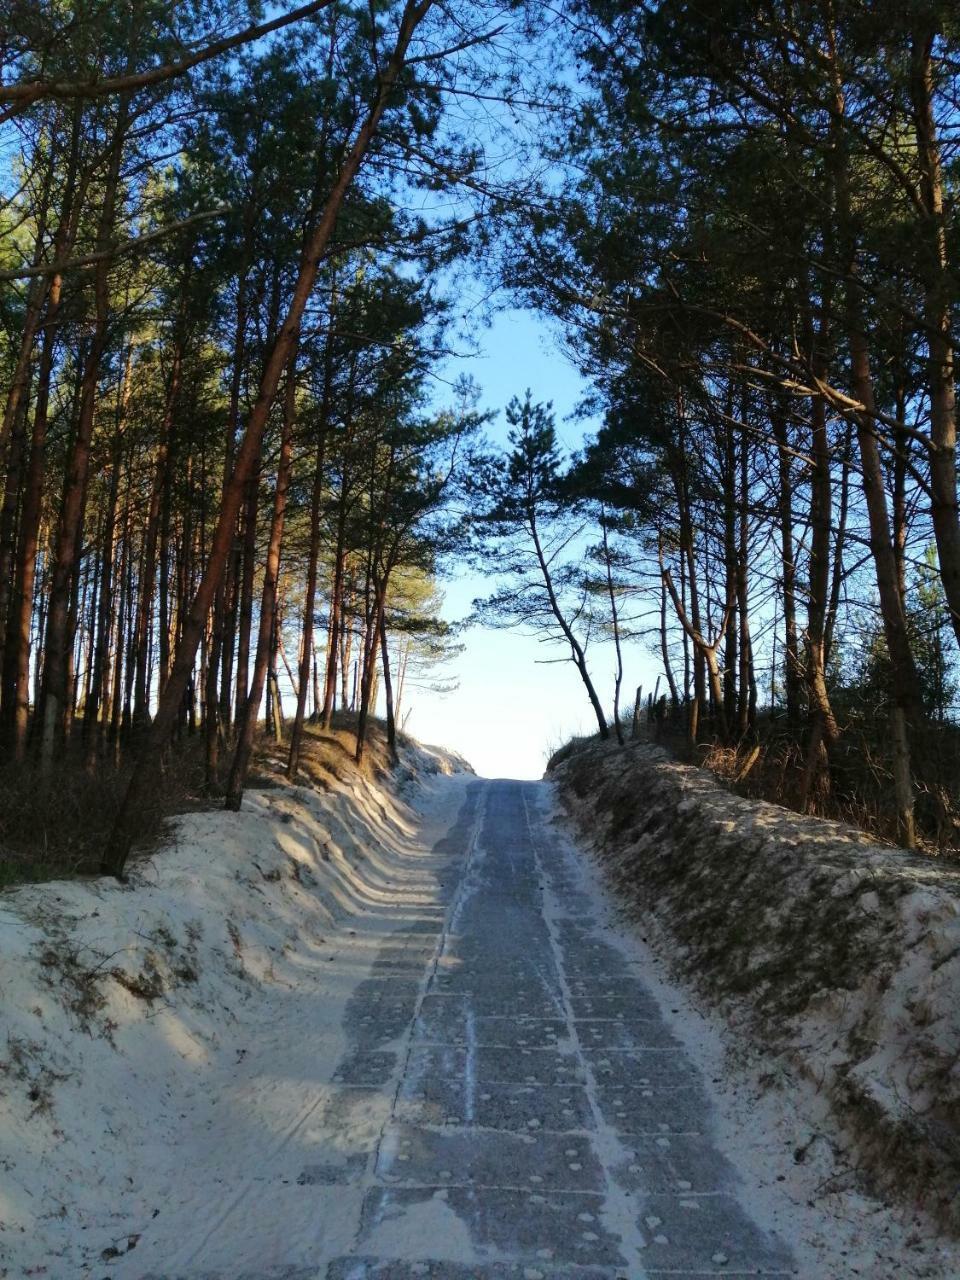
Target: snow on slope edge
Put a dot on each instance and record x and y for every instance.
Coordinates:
(839, 956)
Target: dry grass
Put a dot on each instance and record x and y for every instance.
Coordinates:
(54, 826)
(326, 757)
(569, 748)
(858, 790)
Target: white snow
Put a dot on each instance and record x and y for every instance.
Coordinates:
(767, 1115)
(403, 1231)
(167, 1051)
(166, 1047)
(619, 1210)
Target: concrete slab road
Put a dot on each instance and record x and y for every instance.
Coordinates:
(543, 1124)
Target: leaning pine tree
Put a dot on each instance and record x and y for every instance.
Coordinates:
(315, 246)
(526, 527)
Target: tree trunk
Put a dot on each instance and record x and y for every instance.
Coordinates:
(388, 695)
(228, 593)
(370, 649)
(112, 714)
(708, 651)
(906, 685)
(101, 654)
(313, 555)
(8, 508)
(747, 685)
(159, 488)
(42, 288)
(839, 545)
(576, 649)
(58, 641)
(664, 645)
(268, 601)
(614, 614)
(937, 313)
(245, 607)
(731, 569)
(336, 605)
(309, 608)
(348, 682)
(825, 730)
(403, 660)
(792, 671)
(689, 568)
(16, 693)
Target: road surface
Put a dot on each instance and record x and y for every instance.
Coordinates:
(543, 1124)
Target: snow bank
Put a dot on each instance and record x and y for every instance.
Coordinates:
(840, 956)
(119, 1003)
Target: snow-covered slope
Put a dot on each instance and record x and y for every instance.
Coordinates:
(121, 1004)
(837, 959)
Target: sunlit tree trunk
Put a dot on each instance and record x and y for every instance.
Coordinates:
(309, 606)
(268, 601)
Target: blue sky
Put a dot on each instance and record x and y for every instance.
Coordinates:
(511, 709)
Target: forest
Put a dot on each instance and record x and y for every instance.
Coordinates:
(233, 241)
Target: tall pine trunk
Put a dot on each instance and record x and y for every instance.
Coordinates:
(792, 674)
(939, 289)
(58, 639)
(268, 602)
(907, 712)
(309, 608)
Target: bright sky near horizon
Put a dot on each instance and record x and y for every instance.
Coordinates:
(511, 708)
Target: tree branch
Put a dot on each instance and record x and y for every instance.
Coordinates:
(32, 91)
(113, 251)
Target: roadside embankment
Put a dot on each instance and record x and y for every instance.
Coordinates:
(836, 958)
(128, 1011)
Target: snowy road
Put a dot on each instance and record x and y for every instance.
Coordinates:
(402, 1038)
(543, 1122)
